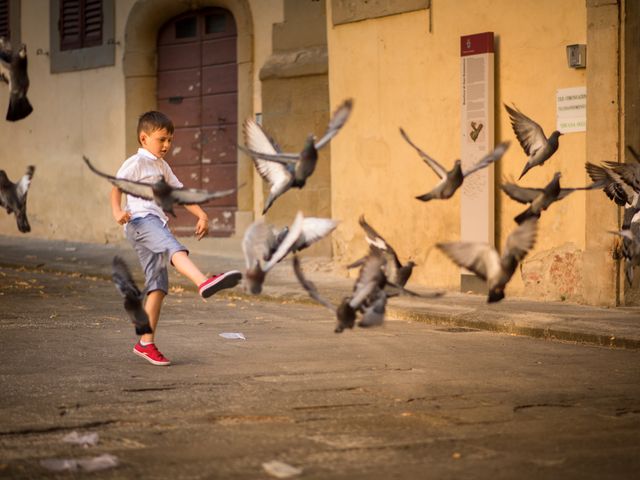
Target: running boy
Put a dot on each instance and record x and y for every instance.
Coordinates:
(146, 227)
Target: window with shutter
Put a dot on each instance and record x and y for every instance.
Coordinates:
(80, 24)
(5, 31)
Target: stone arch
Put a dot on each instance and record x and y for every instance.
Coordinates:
(140, 70)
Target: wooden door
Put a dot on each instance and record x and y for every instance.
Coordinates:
(198, 89)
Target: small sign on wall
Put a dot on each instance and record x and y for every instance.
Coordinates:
(571, 109)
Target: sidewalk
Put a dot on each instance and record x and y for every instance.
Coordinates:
(613, 327)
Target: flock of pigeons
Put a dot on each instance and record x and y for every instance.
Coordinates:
(381, 275)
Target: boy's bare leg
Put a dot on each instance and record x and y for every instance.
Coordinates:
(186, 267)
(152, 307)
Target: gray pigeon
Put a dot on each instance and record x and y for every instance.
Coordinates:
(161, 192)
(368, 296)
(532, 139)
(133, 297)
(256, 248)
(13, 197)
(14, 63)
(366, 289)
(539, 199)
(451, 180)
(397, 272)
(287, 170)
(483, 260)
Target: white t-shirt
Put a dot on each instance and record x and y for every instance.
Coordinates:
(146, 167)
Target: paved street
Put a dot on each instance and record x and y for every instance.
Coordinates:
(408, 400)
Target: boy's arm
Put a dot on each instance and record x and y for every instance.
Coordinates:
(119, 215)
(202, 227)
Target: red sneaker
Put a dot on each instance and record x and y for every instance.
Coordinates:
(151, 354)
(219, 282)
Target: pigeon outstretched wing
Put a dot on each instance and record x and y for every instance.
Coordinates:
(194, 196)
(435, 166)
(310, 287)
(338, 119)
(488, 159)
(130, 187)
(480, 258)
(529, 133)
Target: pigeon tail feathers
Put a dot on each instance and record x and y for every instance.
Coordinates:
(19, 108)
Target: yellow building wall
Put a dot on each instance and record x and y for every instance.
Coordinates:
(401, 74)
(83, 112)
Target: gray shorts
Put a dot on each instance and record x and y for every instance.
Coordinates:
(151, 238)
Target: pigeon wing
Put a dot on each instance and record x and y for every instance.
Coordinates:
(309, 286)
(257, 140)
(521, 240)
(193, 196)
(521, 194)
(137, 189)
(314, 229)
(121, 276)
(339, 118)
(22, 187)
(439, 169)
(488, 159)
(254, 243)
(287, 243)
(611, 183)
(529, 133)
(629, 173)
(473, 256)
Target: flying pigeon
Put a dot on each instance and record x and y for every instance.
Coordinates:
(133, 297)
(451, 180)
(483, 260)
(255, 246)
(532, 139)
(366, 289)
(399, 274)
(13, 197)
(287, 170)
(161, 192)
(15, 65)
(539, 199)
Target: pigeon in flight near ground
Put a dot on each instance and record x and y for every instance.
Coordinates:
(483, 260)
(396, 272)
(370, 282)
(535, 144)
(539, 199)
(133, 297)
(451, 180)
(256, 246)
(287, 170)
(14, 72)
(13, 197)
(161, 192)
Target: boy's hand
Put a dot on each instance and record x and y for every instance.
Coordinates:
(122, 217)
(202, 227)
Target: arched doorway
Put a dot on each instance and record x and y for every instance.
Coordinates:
(197, 87)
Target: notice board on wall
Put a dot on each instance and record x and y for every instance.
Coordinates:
(477, 209)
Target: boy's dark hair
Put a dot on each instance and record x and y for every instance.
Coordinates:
(153, 120)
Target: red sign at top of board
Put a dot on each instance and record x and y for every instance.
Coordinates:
(476, 44)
